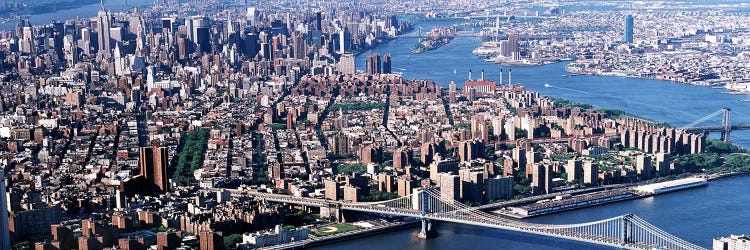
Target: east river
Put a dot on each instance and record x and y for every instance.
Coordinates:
(696, 215)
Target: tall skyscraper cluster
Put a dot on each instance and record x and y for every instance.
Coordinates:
(374, 65)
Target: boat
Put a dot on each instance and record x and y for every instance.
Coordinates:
(454, 71)
(546, 85)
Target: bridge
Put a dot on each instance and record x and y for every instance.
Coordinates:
(725, 128)
(429, 204)
(419, 33)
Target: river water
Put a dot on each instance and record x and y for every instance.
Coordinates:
(696, 215)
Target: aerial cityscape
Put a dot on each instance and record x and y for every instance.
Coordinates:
(378, 124)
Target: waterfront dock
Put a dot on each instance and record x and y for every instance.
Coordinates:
(565, 203)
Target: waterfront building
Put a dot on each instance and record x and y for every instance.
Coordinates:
(590, 173)
(331, 190)
(541, 179)
(472, 185)
(670, 186)
(387, 64)
(628, 36)
(275, 237)
(643, 166)
(733, 242)
(500, 187)
(373, 64)
(574, 169)
(352, 193)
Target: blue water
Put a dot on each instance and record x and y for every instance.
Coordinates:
(696, 215)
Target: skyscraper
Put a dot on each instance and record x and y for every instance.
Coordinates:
(345, 38)
(200, 33)
(251, 17)
(628, 29)
(103, 23)
(346, 64)
(4, 226)
(299, 46)
(387, 64)
(373, 64)
(153, 164)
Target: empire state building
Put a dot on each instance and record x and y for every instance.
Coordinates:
(103, 20)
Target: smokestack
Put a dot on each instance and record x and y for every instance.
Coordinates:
(482, 74)
(501, 77)
(510, 76)
(469, 75)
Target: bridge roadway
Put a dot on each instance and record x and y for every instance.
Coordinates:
(718, 128)
(626, 231)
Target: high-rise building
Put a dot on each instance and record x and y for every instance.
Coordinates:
(346, 64)
(211, 240)
(103, 19)
(590, 172)
(251, 18)
(643, 166)
(373, 64)
(387, 64)
(331, 190)
(404, 186)
(167, 240)
(628, 36)
(574, 169)
(472, 185)
(199, 32)
(318, 21)
(153, 163)
(4, 226)
(443, 166)
(352, 193)
(500, 187)
(401, 157)
(450, 186)
(345, 38)
(541, 182)
(299, 46)
(340, 143)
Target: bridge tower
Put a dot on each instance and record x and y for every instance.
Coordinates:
(626, 232)
(423, 200)
(726, 125)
